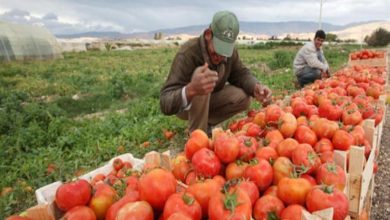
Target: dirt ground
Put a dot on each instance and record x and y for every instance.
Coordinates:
(381, 197)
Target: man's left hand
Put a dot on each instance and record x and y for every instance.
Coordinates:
(262, 94)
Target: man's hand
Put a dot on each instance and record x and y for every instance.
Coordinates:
(325, 74)
(202, 83)
(262, 94)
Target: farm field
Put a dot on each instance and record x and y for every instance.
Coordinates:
(60, 119)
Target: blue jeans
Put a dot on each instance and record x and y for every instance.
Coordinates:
(308, 75)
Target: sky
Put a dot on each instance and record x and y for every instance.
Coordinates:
(78, 16)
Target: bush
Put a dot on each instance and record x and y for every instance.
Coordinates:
(281, 59)
(378, 38)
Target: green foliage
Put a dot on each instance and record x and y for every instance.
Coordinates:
(281, 59)
(273, 44)
(331, 37)
(379, 38)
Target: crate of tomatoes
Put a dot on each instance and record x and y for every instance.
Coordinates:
(373, 58)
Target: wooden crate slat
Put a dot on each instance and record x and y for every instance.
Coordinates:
(355, 169)
(340, 158)
(41, 212)
(369, 130)
(366, 179)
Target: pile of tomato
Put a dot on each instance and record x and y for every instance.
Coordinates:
(274, 163)
(366, 54)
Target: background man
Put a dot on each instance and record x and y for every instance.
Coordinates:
(310, 63)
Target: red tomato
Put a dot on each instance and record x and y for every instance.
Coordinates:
(80, 212)
(287, 125)
(267, 153)
(286, 147)
(323, 145)
(117, 164)
(375, 168)
(324, 197)
(250, 188)
(268, 207)
(304, 155)
(206, 163)
(234, 204)
(358, 135)
(331, 174)
(252, 129)
(272, 190)
(151, 189)
(274, 136)
(226, 148)
(191, 178)
(202, 192)
(260, 172)
(342, 140)
(184, 203)
(235, 170)
(304, 134)
(102, 199)
(179, 216)
(259, 119)
(330, 110)
(282, 167)
(324, 128)
(327, 156)
(309, 178)
(272, 114)
(292, 212)
(351, 117)
(293, 190)
(72, 194)
(198, 139)
(114, 208)
(248, 146)
(140, 210)
(181, 166)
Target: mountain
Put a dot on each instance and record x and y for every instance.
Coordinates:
(252, 28)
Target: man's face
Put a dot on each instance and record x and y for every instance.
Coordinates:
(318, 42)
(215, 58)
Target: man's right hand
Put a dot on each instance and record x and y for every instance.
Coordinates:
(202, 83)
(325, 74)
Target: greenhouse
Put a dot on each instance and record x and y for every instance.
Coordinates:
(27, 42)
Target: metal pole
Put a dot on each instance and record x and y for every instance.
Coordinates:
(320, 20)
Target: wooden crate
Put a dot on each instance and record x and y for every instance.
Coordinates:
(360, 176)
(373, 62)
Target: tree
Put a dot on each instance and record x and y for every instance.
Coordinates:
(379, 38)
(331, 37)
(158, 36)
(288, 37)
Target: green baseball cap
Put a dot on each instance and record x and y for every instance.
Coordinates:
(225, 29)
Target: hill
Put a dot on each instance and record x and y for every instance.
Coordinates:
(300, 29)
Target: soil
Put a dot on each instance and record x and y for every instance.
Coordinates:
(381, 197)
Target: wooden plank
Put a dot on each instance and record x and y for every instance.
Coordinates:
(156, 159)
(356, 160)
(355, 168)
(307, 216)
(325, 213)
(367, 175)
(41, 212)
(340, 158)
(354, 194)
(369, 130)
(375, 62)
